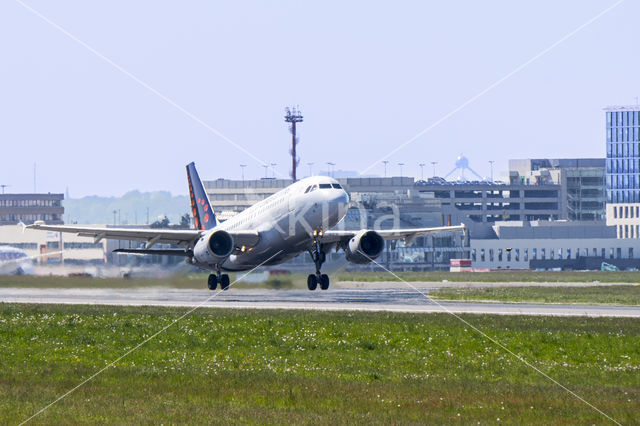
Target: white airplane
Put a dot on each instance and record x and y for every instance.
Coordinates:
(14, 261)
(294, 220)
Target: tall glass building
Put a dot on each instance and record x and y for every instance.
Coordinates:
(623, 169)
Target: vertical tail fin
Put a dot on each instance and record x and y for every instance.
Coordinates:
(203, 215)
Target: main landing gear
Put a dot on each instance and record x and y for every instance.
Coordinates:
(216, 278)
(319, 258)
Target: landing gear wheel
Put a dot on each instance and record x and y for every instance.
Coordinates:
(212, 283)
(312, 282)
(224, 282)
(324, 281)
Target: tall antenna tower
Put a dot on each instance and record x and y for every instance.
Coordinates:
(293, 116)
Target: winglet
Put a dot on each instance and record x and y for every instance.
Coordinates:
(203, 215)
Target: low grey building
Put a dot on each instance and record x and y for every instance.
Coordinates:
(27, 208)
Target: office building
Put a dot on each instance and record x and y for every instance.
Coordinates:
(27, 208)
(230, 197)
(582, 182)
(623, 169)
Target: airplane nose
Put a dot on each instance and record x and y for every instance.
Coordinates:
(342, 201)
(343, 198)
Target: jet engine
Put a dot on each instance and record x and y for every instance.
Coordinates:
(364, 247)
(213, 248)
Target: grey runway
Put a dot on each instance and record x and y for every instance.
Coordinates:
(379, 299)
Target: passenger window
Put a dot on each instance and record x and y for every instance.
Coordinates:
(336, 185)
(325, 186)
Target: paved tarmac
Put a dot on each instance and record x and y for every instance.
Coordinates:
(347, 299)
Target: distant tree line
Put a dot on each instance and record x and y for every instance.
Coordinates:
(164, 223)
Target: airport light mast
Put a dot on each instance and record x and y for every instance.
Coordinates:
(242, 166)
(293, 116)
(385, 167)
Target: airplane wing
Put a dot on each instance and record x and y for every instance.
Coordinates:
(408, 234)
(204, 219)
(182, 237)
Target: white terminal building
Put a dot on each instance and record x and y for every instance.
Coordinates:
(17, 209)
(75, 249)
(575, 245)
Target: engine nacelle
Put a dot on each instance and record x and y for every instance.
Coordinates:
(213, 248)
(364, 247)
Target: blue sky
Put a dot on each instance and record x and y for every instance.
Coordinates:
(368, 76)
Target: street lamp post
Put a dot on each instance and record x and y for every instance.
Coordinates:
(385, 167)
(400, 164)
(242, 166)
(491, 162)
(421, 171)
(330, 168)
(433, 163)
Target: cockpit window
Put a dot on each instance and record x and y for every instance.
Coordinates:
(308, 189)
(336, 185)
(325, 186)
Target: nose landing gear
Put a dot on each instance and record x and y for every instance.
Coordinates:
(319, 257)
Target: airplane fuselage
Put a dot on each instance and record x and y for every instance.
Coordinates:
(14, 261)
(286, 222)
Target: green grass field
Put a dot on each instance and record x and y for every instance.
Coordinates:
(222, 366)
(198, 281)
(616, 294)
(497, 276)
